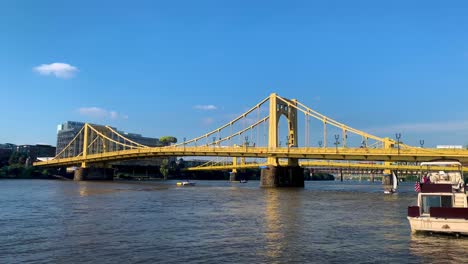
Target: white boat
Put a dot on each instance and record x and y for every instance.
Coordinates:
(243, 181)
(394, 185)
(442, 205)
(185, 183)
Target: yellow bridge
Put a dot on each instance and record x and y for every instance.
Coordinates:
(257, 134)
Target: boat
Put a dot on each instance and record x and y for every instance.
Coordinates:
(394, 184)
(442, 205)
(243, 181)
(185, 183)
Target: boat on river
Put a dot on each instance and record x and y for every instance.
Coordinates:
(394, 184)
(185, 183)
(442, 205)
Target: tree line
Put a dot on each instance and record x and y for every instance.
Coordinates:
(18, 165)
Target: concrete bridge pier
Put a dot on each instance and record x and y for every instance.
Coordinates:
(233, 177)
(93, 174)
(276, 176)
(387, 182)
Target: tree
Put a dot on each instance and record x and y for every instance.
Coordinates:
(167, 140)
(164, 169)
(17, 158)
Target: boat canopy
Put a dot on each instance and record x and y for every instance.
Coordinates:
(454, 178)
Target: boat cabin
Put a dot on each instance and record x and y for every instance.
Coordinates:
(442, 192)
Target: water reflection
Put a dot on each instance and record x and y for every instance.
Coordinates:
(83, 189)
(282, 223)
(439, 248)
(94, 188)
(273, 233)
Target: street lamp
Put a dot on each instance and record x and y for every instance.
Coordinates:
(398, 136)
(337, 137)
(185, 139)
(421, 142)
(320, 143)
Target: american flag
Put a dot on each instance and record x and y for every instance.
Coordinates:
(417, 187)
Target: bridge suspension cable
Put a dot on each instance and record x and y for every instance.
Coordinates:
(229, 124)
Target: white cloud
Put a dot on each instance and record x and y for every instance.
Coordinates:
(205, 107)
(100, 113)
(450, 126)
(60, 70)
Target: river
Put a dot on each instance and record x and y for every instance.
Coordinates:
(47, 221)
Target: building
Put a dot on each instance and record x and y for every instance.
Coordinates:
(38, 150)
(67, 131)
(449, 146)
(5, 152)
(8, 146)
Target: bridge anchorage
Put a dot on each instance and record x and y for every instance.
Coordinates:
(256, 138)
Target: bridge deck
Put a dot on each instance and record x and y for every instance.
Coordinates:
(357, 154)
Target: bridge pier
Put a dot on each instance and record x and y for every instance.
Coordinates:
(276, 176)
(233, 177)
(93, 174)
(387, 182)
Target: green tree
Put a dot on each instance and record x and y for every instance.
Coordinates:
(167, 140)
(17, 158)
(164, 169)
(4, 157)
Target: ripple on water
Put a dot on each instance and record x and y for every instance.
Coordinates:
(213, 222)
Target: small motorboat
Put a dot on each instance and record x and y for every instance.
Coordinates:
(185, 183)
(243, 181)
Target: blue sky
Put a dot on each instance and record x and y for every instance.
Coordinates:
(182, 68)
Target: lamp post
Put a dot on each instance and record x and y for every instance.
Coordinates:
(398, 136)
(287, 142)
(320, 143)
(185, 139)
(337, 137)
(421, 142)
(214, 140)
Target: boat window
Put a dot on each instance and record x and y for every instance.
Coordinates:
(429, 201)
(446, 201)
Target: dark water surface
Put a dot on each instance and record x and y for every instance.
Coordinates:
(214, 222)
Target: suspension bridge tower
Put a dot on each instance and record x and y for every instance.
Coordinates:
(275, 175)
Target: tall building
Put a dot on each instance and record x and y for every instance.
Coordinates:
(67, 131)
(38, 150)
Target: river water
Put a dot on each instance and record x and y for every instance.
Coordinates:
(45, 221)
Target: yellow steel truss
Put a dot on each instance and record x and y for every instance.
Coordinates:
(102, 144)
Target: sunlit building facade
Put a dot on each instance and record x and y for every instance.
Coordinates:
(67, 131)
